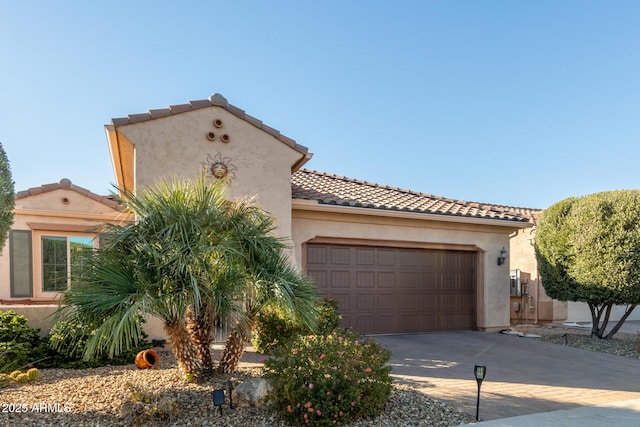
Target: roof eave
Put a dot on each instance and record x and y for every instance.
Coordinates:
(312, 205)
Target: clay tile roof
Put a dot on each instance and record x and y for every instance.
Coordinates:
(214, 100)
(66, 184)
(338, 190)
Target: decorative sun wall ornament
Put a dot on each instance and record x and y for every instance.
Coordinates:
(219, 167)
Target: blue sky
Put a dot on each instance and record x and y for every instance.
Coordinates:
(521, 103)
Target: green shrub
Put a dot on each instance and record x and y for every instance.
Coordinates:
(17, 341)
(328, 319)
(14, 356)
(273, 329)
(64, 346)
(14, 328)
(329, 380)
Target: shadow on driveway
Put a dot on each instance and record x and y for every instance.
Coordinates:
(524, 375)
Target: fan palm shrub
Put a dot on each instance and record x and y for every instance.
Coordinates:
(190, 257)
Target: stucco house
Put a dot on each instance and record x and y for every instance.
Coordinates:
(398, 261)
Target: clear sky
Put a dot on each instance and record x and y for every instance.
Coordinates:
(521, 103)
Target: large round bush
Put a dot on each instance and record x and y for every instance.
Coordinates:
(329, 380)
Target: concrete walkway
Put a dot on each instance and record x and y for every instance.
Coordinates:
(616, 414)
(524, 376)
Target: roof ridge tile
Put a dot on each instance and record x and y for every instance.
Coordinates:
(216, 100)
(66, 184)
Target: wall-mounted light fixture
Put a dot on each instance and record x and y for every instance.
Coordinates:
(503, 256)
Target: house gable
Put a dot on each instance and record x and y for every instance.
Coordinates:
(209, 136)
(66, 199)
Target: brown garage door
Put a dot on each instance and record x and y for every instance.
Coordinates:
(392, 290)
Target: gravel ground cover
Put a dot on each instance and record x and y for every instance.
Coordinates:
(101, 397)
(622, 344)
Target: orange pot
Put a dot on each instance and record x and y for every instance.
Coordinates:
(147, 359)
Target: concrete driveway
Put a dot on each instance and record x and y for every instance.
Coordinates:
(524, 376)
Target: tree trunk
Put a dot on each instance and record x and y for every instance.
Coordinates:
(184, 349)
(200, 328)
(597, 330)
(234, 347)
(615, 329)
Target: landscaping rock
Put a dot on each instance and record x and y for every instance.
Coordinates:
(251, 392)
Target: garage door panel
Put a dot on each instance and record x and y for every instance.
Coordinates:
(317, 255)
(428, 280)
(340, 256)
(364, 323)
(409, 258)
(385, 324)
(466, 301)
(340, 279)
(386, 279)
(429, 323)
(428, 303)
(365, 256)
(449, 281)
(387, 301)
(409, 302)
(385, 257)
(467, 283)
(365, 302)
(394, 290)
(408, 324)
(365, 279)
(448, 302)
(410, 279)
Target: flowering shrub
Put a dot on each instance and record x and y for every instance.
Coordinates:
(329, 380)
(274, 330)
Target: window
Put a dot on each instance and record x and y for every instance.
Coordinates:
(43, 262)
(63, 257)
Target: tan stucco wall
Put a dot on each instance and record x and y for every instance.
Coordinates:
(534, 304)
(178, 145)
(493, 286)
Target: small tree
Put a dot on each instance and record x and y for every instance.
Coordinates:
(588, 250)
(7, 197)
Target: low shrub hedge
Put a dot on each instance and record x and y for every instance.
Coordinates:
(62, 347)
